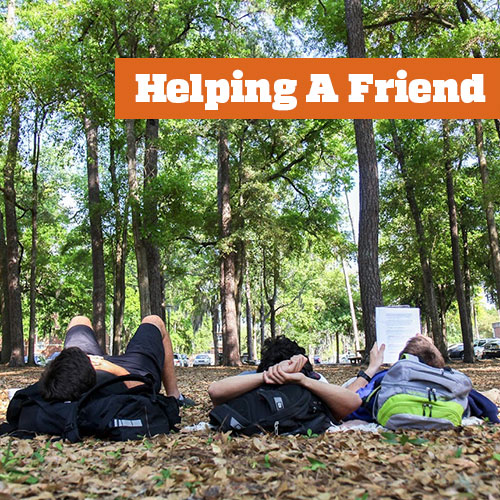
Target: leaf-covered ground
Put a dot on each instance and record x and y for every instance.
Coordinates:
(461, 463)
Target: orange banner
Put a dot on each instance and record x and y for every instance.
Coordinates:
(307, 88)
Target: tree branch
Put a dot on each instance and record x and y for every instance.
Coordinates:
(302, 193)
(422, 15)
(24, 209)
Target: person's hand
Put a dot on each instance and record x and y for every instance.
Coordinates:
(276, 374)
(376, 359)
(99, 363)
(294, 364)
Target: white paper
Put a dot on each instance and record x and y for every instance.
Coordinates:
(395, 325)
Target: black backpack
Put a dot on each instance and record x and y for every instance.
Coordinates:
(282, 409)
(131, 414)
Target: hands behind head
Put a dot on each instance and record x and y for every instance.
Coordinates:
(287, 371)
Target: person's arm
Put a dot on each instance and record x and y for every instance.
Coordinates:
(339, 400)
(376, 360)
(228, 388)
(99, 363)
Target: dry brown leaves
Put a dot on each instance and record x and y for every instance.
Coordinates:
(462, 463)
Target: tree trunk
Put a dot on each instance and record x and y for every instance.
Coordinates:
(369, 278)
(248, 310)
(351, 306)
(12, 235)
(466, 273)
(99, 280)
(140, 253)
(425, 264)
(262, 319)
(238, 277)
(488, 208)
(271, 299)
(34, 237)
(230, 344)
(455, 248)
(215, 330)
(120, 251)
(156, 285)
(4, 297)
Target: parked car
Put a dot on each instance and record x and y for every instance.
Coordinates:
(185, 360)
(177, 359)
(491, 349)
(202, 360)
(456, 351)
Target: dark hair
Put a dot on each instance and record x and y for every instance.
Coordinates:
(277, 350)
(68, 376)
(425, 350)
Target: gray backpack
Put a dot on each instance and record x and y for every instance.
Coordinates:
(415, 395)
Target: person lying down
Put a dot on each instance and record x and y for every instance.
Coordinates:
(284, 362)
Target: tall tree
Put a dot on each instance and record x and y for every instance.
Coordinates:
(120, 248)
(35, 160)
(369, 277)
(230, 344)
(455, 247)
(94, 200)
(155, 277)
(4, 297)
(489, 207)
(428, 280)
(11, 227)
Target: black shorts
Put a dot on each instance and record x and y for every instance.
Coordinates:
(144, 354)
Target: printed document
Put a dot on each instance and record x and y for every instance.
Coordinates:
(395, 325)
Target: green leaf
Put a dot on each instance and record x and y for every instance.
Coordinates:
(164, 474)
(315, 464)
(390, 437)
(458, 453)
(364, 497)
(496, 456)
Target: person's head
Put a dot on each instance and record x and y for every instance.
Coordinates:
(425, 350)
(279, 349)
(68, 376)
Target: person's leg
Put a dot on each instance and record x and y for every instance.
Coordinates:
(168, 372)
(81, 334)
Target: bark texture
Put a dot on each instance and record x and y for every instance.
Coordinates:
(135, 205)
(98, 275)
(120, 251)
(156, 287)
(4, 296)
(230, 345)
(369, 277)
(455, 248)
(12, 238)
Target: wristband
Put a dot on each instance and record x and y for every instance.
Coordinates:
(362, 374)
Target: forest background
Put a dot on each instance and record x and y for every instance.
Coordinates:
(234, 231)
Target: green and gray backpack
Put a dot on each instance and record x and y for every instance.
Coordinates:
(415, 395)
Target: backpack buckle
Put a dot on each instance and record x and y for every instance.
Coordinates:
(276, 425)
